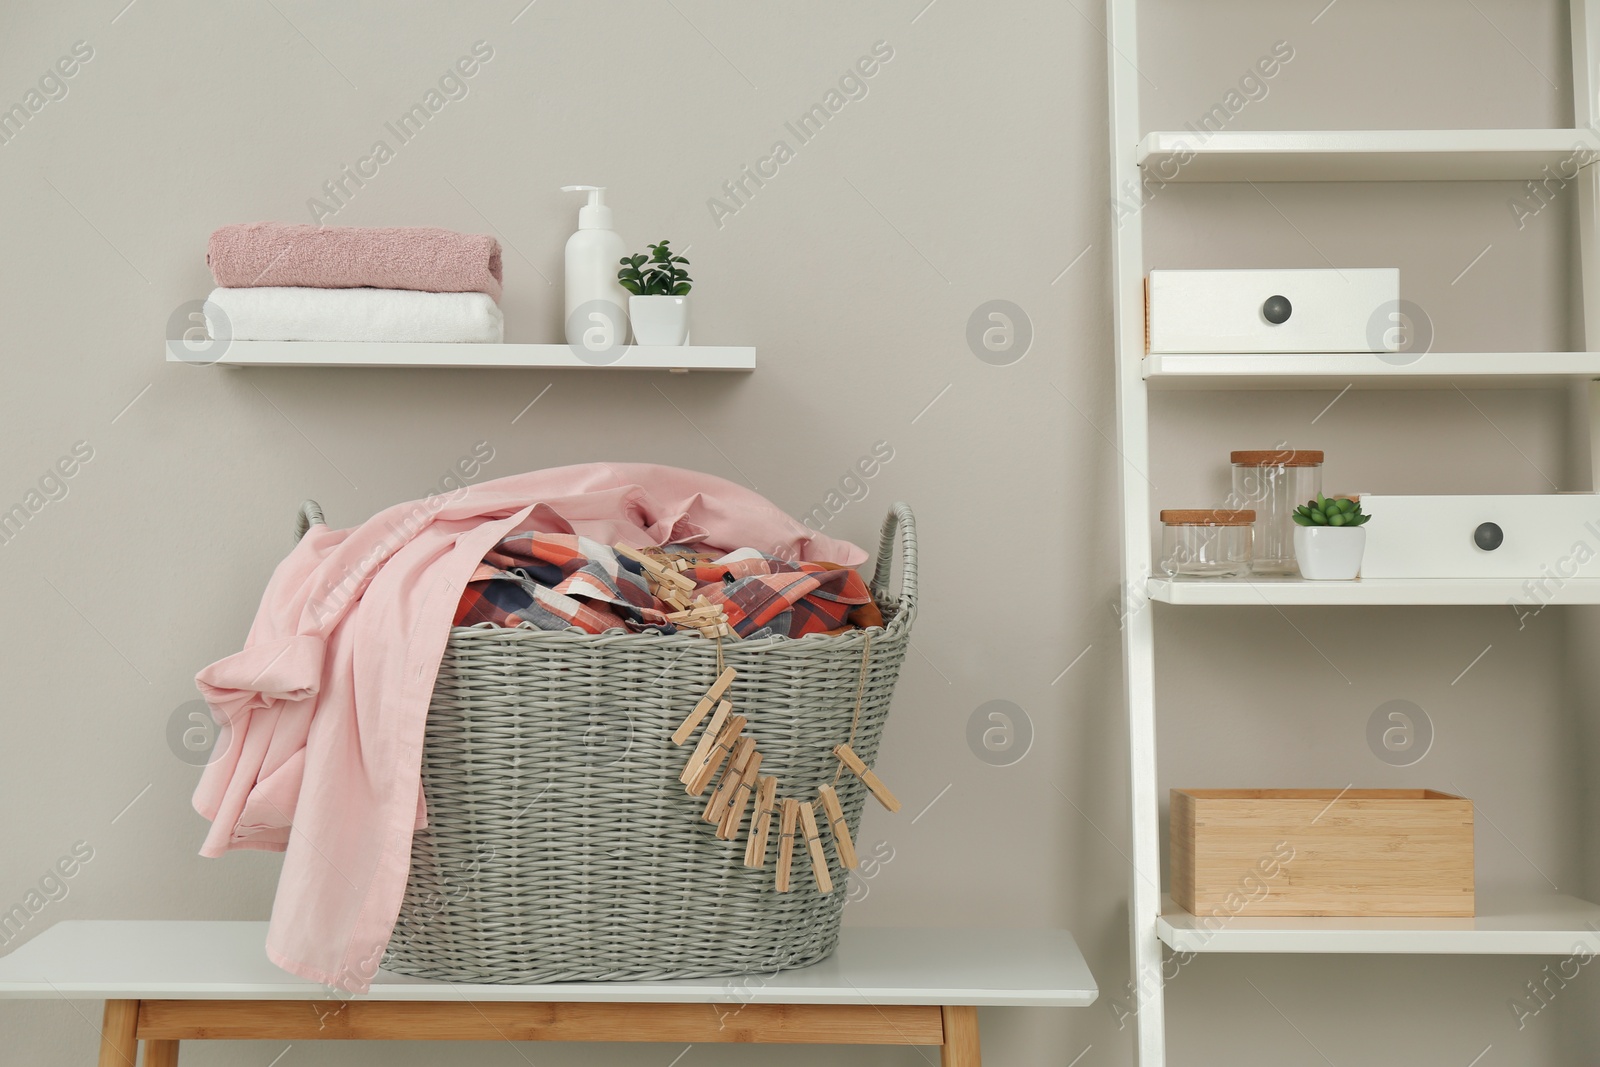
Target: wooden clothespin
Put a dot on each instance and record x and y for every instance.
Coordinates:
(841, 830)
(710, 621)
(664, 575)
(733, 821)
(702, 751)
(743, 754)
(874, 783)
(819, 859)
(707, 702)
(755, 853)
(663, 586)
(670, 576)
(716, 805)
(649, 563)
(723, 746)
(791, 811)
(732, 775)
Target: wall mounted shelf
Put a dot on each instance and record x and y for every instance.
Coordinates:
(464, 356)
(1506, 924)
(1362, 155)
(1432, 370)
(1285, 592)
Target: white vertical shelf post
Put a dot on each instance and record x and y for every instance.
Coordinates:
(1586, 115)
(1585, 78)
(1138, 631)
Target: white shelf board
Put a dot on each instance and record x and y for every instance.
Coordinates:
(195, 960)
(463, 356)
(1285, 592)
(1531, 924)
(1431, 370)
(1359, 155)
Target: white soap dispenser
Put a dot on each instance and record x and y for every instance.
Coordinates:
(596, 304)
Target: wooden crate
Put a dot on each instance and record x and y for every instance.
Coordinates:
(1266, 852)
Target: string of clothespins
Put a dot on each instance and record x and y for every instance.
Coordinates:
(669, 584)
(725, 745)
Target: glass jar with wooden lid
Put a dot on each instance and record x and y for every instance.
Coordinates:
(1212, 543)
(1273, 482)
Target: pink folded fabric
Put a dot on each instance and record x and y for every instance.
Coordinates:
(431, 260)
(322, 714)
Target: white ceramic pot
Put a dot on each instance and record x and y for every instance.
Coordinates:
(1329, 553)
(659, 320)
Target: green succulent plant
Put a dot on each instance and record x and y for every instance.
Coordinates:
(1324, 512)
(657, 274)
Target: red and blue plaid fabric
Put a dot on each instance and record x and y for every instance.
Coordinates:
(553, 581)
(763, 595)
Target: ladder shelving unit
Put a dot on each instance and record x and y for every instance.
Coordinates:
(1528, 923)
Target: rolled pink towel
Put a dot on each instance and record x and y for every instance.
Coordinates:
(424, 258)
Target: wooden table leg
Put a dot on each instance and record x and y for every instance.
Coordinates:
(160, 1054)
(119, 1043)
(960, 1047)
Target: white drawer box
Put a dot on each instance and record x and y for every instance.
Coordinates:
(1451, 536)
(1273, 310)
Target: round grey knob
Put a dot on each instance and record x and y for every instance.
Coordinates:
(1276, 310)
(1488, 536)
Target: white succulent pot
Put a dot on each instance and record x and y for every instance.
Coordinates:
(1329, 553)
(659, 320)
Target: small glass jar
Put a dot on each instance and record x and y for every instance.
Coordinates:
(1206, 544)
(1274, 483)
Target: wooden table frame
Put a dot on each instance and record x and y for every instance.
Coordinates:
(162, 1024)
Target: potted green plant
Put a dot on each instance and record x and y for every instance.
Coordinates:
(1329, 539)
(659, 304)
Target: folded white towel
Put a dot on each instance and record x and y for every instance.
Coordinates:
(300, 314)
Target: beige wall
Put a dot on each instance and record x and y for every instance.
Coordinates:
(974, 169)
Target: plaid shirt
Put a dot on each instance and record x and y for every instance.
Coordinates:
(553, 581)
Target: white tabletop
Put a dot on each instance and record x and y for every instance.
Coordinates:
(137, 960)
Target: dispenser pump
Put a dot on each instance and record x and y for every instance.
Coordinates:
(594, 215)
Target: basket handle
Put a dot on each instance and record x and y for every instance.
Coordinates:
(902, 521)
(309, 515)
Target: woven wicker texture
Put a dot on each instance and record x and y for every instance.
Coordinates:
(561, 845)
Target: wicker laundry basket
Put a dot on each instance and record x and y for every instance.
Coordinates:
(561, 845)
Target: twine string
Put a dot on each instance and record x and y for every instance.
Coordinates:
(861, 690)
